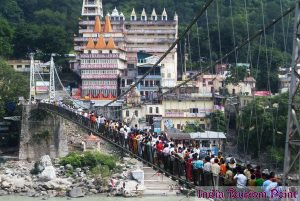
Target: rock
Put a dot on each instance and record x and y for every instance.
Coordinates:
(18, 182)
(47, 174)
(76, 192)
(69, 167)
(138, 175)
(6, 184)
(78, 170)
(61, 194)
(3, 192)
(31, 193)
(93, 191)
(46, 161)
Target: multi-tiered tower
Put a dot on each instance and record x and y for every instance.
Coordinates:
(109, 50)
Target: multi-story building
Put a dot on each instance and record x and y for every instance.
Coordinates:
(101, 67)
(187, 108)
(101, 63)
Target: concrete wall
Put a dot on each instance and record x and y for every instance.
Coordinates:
(32, 146)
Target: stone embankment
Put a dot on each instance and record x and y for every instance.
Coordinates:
(48, 179)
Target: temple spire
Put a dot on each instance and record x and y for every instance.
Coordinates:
(133, 15)
(111, 44)
(144, 15)
(100, 43)
(164, 15)
(107, 26)
(97, 26)
(90, 44)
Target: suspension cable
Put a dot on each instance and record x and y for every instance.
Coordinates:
(244, 43)
(204, 8)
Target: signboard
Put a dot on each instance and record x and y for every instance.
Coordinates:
(157, 124)
(42, 87)
(262, 93)
(205, 150)
(168, 123)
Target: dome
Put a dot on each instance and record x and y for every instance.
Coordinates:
(115, 13)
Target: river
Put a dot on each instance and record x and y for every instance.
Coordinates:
(101, 198)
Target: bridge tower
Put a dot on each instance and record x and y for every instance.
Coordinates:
(52, 79)
(32, 80)
(92, 8)
(293, 126)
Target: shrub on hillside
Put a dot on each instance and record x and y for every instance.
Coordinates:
(90, 159)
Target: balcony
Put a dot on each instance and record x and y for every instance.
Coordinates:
(201, 97)
(85, 39)
(99, 87)
(144, 39)
(145, 23)
(147, 31)
(99, 76)
(183, 114)
(103, 56)
(99, 66)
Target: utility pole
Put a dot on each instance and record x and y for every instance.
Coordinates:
(52, 79)
(32, 80)
(293, 127)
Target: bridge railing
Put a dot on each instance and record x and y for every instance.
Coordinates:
(171, 165)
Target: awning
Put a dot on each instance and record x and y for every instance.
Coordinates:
(177, 134)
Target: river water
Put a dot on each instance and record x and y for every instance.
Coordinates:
(102, 198)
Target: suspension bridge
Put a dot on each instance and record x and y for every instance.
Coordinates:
(293, 127)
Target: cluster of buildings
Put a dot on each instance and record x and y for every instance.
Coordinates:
(114, 51)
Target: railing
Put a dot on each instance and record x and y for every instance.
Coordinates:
(170, 165)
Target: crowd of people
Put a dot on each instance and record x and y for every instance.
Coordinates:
(182, 158)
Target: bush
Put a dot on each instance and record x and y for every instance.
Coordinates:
(101, 170)
(90, 159)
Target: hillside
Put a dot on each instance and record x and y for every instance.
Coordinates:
(47, 26)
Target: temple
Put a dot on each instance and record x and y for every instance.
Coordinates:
(113, 51)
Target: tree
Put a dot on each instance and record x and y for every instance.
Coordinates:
(12, 86)
(6, 35)
(217, 121)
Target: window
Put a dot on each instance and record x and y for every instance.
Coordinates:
(157, 110)
(164, 18)
(136, 113)
(132, 19)
(19, 66)
(169, 75)
(178, 126)
(194, 110)
(233, 91)
(146, 83)
(130, 66)
(127, 113)
(150, 110)
(27, 66)
(210, 83)
(157, 83)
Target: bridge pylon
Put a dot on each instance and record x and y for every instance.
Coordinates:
(293, 126)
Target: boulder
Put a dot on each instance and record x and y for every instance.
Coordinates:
(6, 184)
(2, 192)
(47, 174)
(138, 175)
(76, 192)
(46, 161)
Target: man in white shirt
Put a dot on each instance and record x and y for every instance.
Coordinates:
(241, 179)
(215, 169)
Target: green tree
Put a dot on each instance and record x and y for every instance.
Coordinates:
(6, 35)
(217, 121)
(12, 86)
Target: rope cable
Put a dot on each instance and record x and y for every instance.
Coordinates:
(204, 8)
